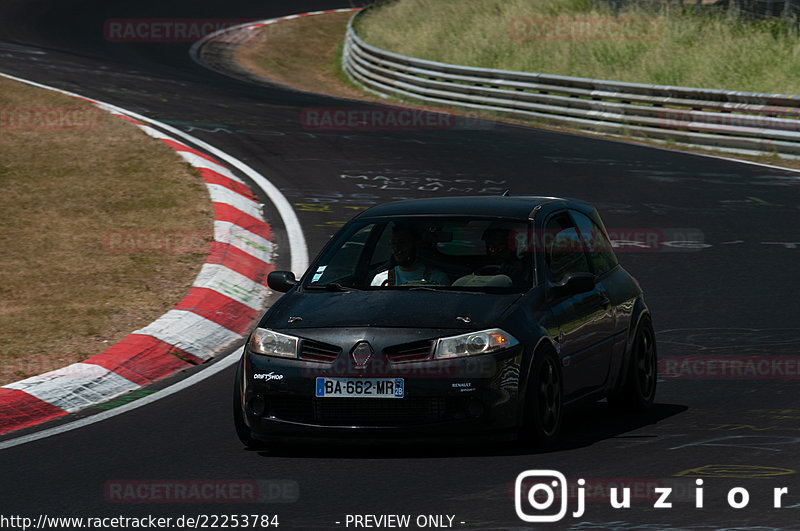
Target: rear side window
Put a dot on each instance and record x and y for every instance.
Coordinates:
(601, 253)
(564, 251)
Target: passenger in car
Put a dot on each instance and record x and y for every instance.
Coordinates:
(504, 257)
(409, 268)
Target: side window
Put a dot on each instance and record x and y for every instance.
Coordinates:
(601, 253)
(564, 248)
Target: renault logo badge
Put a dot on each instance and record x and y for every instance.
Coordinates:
(361, 354)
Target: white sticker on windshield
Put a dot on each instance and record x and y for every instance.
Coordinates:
(320, 270)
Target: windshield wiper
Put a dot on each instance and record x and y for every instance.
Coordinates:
(331, 286)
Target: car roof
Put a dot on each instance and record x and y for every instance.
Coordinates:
(515, 207)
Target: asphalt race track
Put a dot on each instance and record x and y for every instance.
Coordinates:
(731, 293)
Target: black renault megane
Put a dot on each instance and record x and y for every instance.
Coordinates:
(456, 317)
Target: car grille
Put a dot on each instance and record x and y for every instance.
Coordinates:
(364, 412)
(311, 350)
(318, 351)
(416, 351)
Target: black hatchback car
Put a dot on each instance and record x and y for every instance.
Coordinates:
(456, 317)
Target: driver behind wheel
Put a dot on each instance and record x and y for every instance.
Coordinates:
(410, 269)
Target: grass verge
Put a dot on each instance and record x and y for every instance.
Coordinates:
(661, 45)
(88, 204)
(303, 53)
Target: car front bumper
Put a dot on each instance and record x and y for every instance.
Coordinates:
(465, 398)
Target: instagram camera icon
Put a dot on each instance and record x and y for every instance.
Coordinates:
(523, 494)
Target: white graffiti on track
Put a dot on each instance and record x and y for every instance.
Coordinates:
(338, 198)
(769, 341)
(371, 187)
(426, 183)
(752, 442)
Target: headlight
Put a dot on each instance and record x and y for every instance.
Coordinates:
(474, 343)
(271, 343)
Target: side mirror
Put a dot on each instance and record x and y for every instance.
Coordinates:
(281, 281)
(574, 283)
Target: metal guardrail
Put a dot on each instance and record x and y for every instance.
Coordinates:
(716, 119)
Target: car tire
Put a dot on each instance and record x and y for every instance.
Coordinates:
(639, 390)
(544, 400)
(242, 430)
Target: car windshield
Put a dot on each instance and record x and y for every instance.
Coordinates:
(433, 253)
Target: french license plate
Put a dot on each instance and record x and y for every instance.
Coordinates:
(360, 387)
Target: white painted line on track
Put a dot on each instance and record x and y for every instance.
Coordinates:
(158, 135)
(207, 372)
(297, 240)
(742, 161)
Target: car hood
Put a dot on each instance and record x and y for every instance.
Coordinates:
(390, 309)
